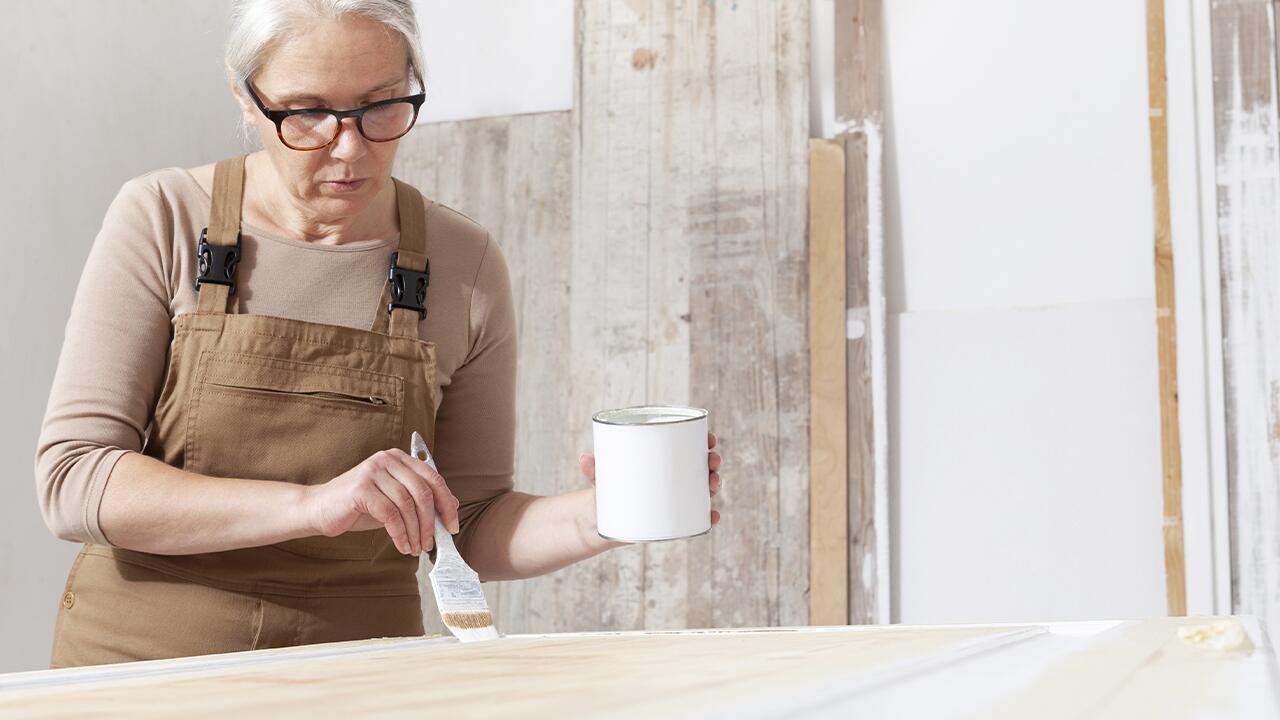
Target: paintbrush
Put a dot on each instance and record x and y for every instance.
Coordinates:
(457, 587)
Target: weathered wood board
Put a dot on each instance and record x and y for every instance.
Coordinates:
(1247, 137)
(656, 238)
(859, 107)
(513, 175)
(1066, 670)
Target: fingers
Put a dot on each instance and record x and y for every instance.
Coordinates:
(587, 463)
(443, 499)
(715, 518)
(713, 461)
(414, 498)
(711, 440)
(715, 483)
(384, 511)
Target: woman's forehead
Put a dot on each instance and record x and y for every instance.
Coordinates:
(319, 88)
(335, 58)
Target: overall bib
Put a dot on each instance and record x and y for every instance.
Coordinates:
(267, 398)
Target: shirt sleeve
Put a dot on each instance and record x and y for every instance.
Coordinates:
(114, 354)
(475, 425)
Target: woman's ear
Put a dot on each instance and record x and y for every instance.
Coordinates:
(247, 108)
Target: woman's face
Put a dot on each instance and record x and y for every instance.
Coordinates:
(338, 64)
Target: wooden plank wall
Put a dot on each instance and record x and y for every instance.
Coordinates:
(513, 175)
(859, 112)
(1247, 171)
(656, 237)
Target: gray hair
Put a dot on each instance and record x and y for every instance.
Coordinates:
(257, 25)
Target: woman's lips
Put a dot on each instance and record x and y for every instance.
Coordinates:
(344, 186)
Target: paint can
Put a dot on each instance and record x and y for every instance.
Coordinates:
(651, 473)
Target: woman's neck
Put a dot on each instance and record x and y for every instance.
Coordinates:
(271, 207)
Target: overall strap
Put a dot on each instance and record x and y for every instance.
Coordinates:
(404, 297)
(218, 251)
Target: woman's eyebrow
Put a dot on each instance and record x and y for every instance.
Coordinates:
(285, 97)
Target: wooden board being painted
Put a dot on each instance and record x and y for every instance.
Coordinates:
(656, 239)
(1071, 670)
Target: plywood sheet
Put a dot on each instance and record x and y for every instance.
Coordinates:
(624, 675)
(1064, 670)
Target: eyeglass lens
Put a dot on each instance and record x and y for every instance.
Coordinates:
(380, 124)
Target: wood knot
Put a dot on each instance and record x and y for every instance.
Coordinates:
(643, 59)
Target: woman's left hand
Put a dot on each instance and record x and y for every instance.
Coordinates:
(588, 464)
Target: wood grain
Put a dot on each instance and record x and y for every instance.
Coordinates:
(859, 60)
(859, 112)
(656, 239)
(1065, 670)
(1247, 172)
(724, 674)
(1166, 315)
(513, 175)
(828, 398)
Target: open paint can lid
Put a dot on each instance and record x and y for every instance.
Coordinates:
(649, 415)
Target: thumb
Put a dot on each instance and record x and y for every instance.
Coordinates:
(587, 462)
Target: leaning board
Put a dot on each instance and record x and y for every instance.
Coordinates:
(1106, 669)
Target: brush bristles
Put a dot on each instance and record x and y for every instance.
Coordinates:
(469, 620)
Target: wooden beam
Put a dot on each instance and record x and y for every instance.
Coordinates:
(828, 397)
(1166, 317)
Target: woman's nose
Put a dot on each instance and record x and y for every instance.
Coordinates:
(349, 144)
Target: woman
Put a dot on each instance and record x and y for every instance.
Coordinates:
(226, 431)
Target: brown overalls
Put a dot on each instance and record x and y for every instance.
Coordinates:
(252, 396)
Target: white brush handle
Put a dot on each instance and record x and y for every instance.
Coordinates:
(444, 540)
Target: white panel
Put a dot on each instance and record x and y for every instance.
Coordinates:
(1027, 463)
(1201, 419)
(1019, 170)
(496, 57)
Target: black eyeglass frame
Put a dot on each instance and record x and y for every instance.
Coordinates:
(279, 116)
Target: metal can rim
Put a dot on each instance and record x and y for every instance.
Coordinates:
(693, 413)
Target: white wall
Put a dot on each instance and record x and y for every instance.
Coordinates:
(1020, 276)
(96, 93)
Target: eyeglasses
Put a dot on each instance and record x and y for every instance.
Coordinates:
(314, 128)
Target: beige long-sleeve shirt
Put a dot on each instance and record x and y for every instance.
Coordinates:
(140, 275)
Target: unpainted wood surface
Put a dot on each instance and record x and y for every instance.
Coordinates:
(1123, 669)
(656, 239)
(1166, 316)
(860, 112)
(1247, 171)
(828, 434)
(634, 675)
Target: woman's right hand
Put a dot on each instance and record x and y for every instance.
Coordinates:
(390, 489)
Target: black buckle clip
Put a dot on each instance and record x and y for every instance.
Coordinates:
(415, 282)
(217, 263)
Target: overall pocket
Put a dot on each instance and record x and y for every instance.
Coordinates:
(276, 419)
